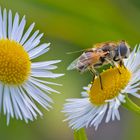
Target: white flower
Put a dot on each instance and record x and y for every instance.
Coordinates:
(20, 84)
(96, 103)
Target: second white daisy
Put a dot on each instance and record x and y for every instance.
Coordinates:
(90, 110)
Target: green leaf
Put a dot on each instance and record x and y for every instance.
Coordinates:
(80, 134)
(130, 105)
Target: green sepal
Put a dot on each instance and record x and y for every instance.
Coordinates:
(80, 134)
(130, 105)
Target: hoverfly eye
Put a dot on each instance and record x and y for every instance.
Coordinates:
(123, 50)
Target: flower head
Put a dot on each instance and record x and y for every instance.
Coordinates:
(97, 102)
(20, 84)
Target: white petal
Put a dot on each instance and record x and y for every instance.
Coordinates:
(15, 26)
(45, 82)
(1, 96)
(84, 94)
(39, 49)
(33, 94)
(20, 101)
(20, 30)
(1, 24)
(9, 23)
(29, 41)
(44, 64)
(15, 105)
(45, 74)
(26, 35)
(34, 43)
(82, 113)
(7, 105)
(4, 24)
(30, 104)
(42, 86)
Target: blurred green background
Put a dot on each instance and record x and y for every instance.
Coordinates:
(70, 26)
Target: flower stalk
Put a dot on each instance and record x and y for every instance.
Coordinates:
(80, 134)
(130, 105)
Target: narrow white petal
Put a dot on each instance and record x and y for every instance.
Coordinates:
(1, 96)
(84, 94)
(45, 82)
(4, 24)
(81, 113)
(31, 92)
(42, 86)
(26, 35)
(109, 113)
(40, 53)
(39, 49)
(20, 30)
(28, 43)
(26, 101)
(30, 102)
(9, 23)
(1, 26)
(100, 117)
(45, 74)
(7, 96)
(121, 98)
(4, 99)
(97, 114)
(40, 93)
(34, 43)
(7, 105)
(25, 111)
(44, 64)
(15, 26)
(117, 114)
(15, 104)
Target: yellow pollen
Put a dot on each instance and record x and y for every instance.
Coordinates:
(113, 81)
(15, 64)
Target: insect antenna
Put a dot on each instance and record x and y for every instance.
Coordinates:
(76, 51)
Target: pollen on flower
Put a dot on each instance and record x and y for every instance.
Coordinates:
(113, 82)
(14, 63)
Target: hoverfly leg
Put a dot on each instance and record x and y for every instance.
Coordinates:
(101, 81)
(121, 63)
(119, 71)
(93, 78)
(116, 66)
(93, 72)
(100, 78)
(113, 64)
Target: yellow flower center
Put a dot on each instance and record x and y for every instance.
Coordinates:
(15, 64)
(113, 81)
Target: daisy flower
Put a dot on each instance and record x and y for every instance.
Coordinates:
(20, 84)
(98, 103)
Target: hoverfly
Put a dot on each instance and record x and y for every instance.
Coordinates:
(100, 54)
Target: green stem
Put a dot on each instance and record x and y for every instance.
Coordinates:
(80, 134)
(130, 105)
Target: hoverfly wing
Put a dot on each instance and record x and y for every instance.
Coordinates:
(73, 65)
